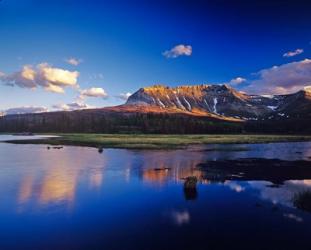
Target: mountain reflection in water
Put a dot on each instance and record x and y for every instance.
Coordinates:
(53, 175)
(135, 196)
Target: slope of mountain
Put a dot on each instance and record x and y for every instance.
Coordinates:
(297, 105)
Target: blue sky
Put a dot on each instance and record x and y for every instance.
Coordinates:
(120, 47)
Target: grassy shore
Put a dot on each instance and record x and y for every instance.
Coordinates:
(140, 141)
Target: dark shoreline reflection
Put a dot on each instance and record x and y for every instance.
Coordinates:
(274, 170)
(191, 194)
(130, 199)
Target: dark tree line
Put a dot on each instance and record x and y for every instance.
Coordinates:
(96, 121)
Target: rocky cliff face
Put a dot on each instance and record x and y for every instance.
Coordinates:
(220, 100)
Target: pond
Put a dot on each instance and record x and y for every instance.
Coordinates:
(78, 198)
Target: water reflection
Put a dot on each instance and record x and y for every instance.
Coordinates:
(294, 217)
(57, 185)
(137, 197)
(24, 137)
(181, 217)
(25, 189)
(96, 178)
(53, 176)
(235, 186)
(282, 194)
(191, 194)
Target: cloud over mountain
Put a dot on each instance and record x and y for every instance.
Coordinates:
(25, 110)
(283, 79)
(72, 106)
(237, 81)
(43, 75)
(178, 50)
(123, 96)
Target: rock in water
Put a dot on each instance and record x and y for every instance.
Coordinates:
(190, 182)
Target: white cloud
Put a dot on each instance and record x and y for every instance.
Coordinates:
(178, 50)
(72, 106)
(237, 81)
(57, 76)
(94, 92)
(293, 53)
(25, 110)
(43, 75)
(23, 78)
(283, 79)
(73, 61)
(55, 89)
(124, 96)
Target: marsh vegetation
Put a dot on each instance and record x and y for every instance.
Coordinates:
(143, 141)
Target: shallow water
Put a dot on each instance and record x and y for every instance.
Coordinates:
(77, 198)
(24, 137)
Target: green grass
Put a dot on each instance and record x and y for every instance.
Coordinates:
(146, 141)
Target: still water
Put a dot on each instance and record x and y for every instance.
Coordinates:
(77, 198)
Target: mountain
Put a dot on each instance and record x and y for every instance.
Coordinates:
(223, 101)
(183, 109)
(297, 105)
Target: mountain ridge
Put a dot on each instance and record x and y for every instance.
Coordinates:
(222, 101)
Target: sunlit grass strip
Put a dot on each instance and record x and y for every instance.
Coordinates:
(147, 141)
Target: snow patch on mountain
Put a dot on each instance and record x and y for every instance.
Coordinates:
(268, 96)
(179, 104)
(215, 104)
(188, 104)
(272, 107)
(160, 103)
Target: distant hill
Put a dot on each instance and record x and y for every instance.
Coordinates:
(184, 109)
